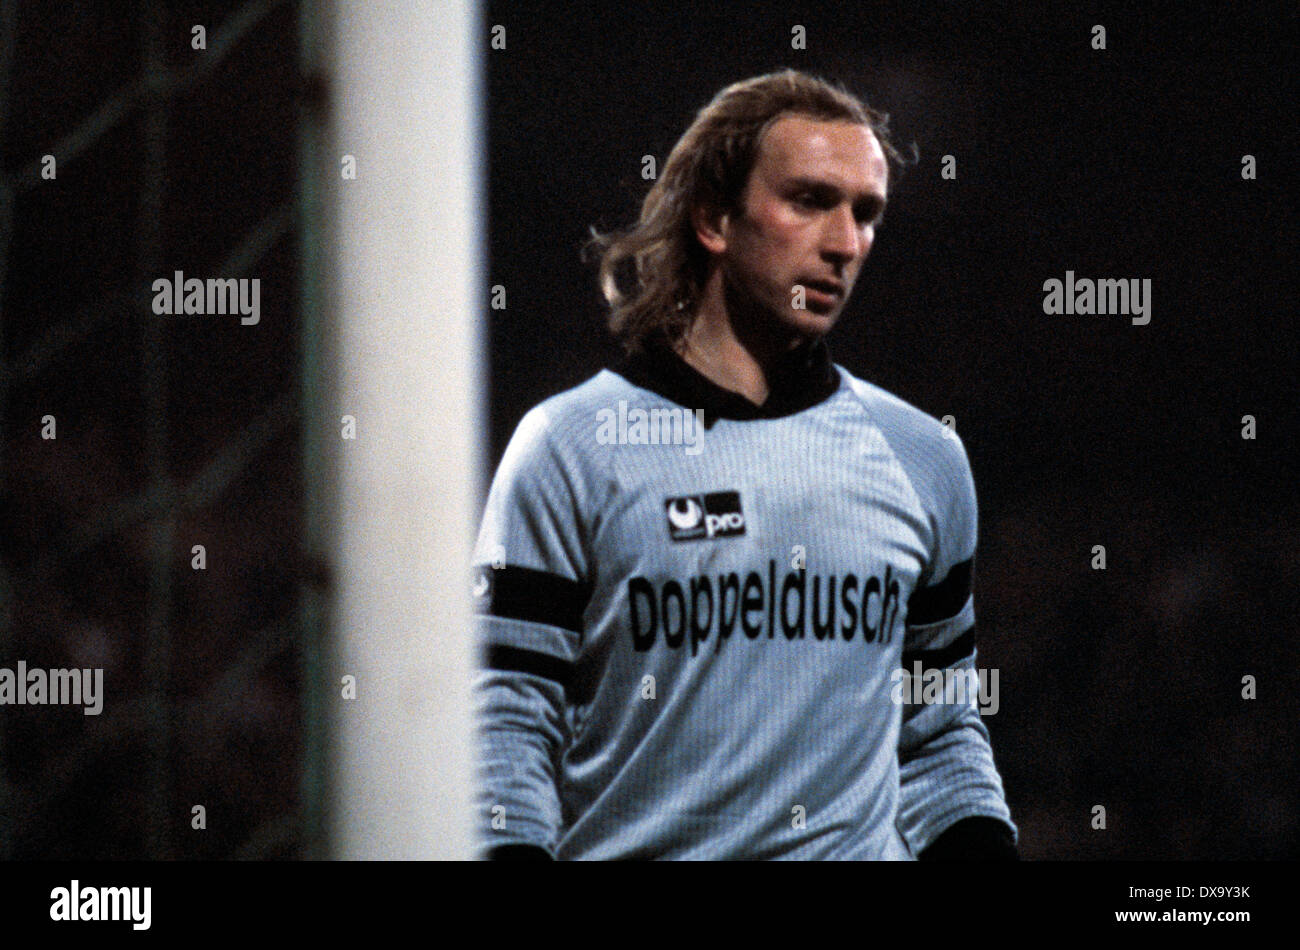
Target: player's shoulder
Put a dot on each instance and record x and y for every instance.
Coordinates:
(931, 453)
(569, 419)
(903, 424)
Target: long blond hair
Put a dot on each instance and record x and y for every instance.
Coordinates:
(651, 274)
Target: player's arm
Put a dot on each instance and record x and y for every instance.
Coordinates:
(529, 575)
(952, 804)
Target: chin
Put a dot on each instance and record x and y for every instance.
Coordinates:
(809, 324)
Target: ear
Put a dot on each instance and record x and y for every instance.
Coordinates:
(711, 228)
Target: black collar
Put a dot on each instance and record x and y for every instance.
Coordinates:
(802, 378)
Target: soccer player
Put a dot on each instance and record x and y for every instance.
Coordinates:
(700, 573)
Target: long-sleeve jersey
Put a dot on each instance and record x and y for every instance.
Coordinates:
(694, 612)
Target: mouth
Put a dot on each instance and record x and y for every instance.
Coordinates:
(824, 294)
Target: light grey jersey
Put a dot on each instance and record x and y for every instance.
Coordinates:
(690, 650)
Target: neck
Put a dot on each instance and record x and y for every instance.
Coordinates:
(734, 361)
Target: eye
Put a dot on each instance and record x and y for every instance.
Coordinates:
(869, 214)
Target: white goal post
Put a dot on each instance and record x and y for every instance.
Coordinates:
(399, 166)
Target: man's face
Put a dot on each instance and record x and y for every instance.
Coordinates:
(810, 211)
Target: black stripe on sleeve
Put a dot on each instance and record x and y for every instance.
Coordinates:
(959, 649)
(521, 593)
(943, 600)
(518, 660)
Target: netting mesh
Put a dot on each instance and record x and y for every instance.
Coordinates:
(132, 438)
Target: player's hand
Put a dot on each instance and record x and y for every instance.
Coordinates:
(973, 839)
(518, 852)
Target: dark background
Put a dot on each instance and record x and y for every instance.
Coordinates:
(172, 432)
(1118, 687)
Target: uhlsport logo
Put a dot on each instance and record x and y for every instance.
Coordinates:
(715, 515)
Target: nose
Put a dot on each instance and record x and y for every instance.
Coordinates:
(845, 239)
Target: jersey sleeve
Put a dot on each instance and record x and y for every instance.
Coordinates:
(530, 590)
(946, 760)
